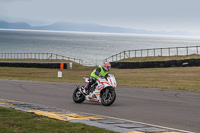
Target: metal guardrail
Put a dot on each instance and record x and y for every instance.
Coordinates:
(171, 51)
(38, 56)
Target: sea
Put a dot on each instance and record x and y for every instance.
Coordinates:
(92, 48)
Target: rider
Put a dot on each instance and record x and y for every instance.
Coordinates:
(100, 71)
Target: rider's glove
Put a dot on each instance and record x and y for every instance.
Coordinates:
(101, 76)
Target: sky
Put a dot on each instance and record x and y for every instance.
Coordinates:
(155, 15)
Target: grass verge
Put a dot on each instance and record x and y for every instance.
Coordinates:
(14, 121)
(178, 78)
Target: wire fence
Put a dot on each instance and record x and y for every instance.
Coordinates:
(171, 51)
(38, 56)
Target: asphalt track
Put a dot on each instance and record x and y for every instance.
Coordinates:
(168, 108)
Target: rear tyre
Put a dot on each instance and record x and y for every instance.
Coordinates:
(78, 97)
(110, 99)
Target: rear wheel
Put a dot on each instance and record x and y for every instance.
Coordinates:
(108, 100)
(78, 97)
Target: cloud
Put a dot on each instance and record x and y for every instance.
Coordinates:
(152, 14)
(11, 0)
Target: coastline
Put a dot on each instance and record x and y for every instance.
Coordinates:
(102, 33)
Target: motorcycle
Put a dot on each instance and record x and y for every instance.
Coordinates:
(103, 91)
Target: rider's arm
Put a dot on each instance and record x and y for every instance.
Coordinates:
(98, 70)
(106, 76)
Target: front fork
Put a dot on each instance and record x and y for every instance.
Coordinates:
(107, 92)
(80, 89)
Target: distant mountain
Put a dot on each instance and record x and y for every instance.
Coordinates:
(84, 27)
(17, 25)
(68, 26)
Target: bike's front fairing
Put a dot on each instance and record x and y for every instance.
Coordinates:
(101, 84)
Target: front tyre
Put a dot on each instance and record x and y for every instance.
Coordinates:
(78, 97)
(108, 100)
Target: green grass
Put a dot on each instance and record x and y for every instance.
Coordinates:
(178, 78)
(13, 121)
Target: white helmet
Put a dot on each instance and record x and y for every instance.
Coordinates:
(107, 66)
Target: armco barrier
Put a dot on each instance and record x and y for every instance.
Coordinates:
(54, 65)
(156, 64)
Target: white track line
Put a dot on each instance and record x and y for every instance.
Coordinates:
(141, 123)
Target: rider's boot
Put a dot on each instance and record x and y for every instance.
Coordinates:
(86, 90)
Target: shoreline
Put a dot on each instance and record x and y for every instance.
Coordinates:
(102, 33)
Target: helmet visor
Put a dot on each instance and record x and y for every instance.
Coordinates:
(108, 68)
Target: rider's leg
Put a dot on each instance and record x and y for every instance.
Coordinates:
(92, 80)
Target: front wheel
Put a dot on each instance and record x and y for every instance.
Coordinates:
(109, 99)
(78, 97)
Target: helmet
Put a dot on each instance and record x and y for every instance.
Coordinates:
(107, 66)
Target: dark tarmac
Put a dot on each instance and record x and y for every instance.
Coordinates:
(168, 108)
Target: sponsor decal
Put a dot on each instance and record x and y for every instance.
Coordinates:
(101, 86)
(94, 100)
